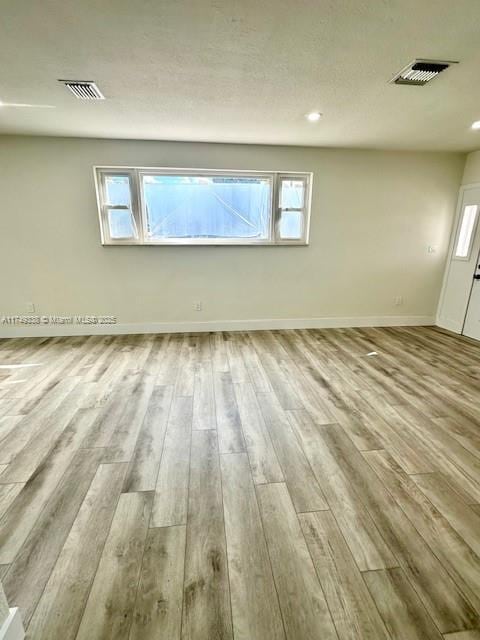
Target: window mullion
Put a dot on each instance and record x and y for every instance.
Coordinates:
(136, 205)
(276, 208)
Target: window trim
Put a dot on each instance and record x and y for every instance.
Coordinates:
(307, 178)
(473, 232)
(139, 210)
(103, 208)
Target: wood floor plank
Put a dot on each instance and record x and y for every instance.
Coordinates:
(262, 456)
(95, 357)
(442, 598)
(409, 453)
(169, 361)
(304, 609)
(307, 394)
(301, 482)
(277, 376)
(171, 491)
(39, 420)
(19, 519)
(402, 611)
(452, 551)
(25, 580)
(109, 610)
(463, 635)
(253, 364)
(336, 396)
(299, 372)
(255, 608)
(351, 606)
(124, 438)
(463, 430)
(271, 344)
(462, 517)
(8, 493)
(206, 604)
(143, 470)
(111, 413)
(105, 387)
(229, 426)
(203, 397)
(48, 383)
(363, 538)
(62, 603)
(24, 464)
(5, 410)
(7, 425)
(219, 353)
(185, 379)
(238, 370)
(158, 607)
(203, 349)
(461, 468)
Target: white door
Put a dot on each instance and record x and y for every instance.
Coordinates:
(472, 321)
(463, 265)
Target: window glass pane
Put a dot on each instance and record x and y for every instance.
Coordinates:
(291, 225)
(193, 206)
(117, 190)
(120, 224)
(292, 194)
(466, 230)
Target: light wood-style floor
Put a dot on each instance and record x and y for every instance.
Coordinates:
(295, 485)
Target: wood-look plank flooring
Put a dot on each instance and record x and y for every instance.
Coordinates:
(270, 485)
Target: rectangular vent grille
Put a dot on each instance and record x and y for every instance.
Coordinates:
(419, 72)
(84, 89)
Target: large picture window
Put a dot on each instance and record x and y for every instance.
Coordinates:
(177, 206)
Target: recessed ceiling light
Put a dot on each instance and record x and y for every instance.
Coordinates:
(476, 124)
(314, 116)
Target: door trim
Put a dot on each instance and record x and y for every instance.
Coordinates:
(451, 247)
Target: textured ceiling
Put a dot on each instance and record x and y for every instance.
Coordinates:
(244, 70)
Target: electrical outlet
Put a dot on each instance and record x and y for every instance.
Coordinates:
(432, 248)
(30, 307)
(198, 305)
(398, 300)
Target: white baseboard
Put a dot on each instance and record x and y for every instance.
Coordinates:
(12, 628)
(28, 331)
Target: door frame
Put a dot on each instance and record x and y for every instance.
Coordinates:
(451, 247)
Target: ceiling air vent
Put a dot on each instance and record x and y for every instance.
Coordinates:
(419, 72)
(84, 89)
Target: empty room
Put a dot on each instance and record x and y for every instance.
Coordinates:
(240, 320)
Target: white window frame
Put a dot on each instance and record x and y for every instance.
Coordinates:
(103, 205)
(473, 231)
(305, 210)
(139, 210)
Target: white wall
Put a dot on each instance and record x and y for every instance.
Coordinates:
(374, 215)
(471, 173)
